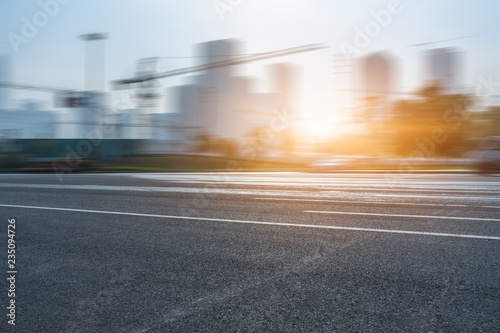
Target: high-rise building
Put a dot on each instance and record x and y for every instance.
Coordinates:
(377, 74)
(215, 51)
(29, 121)
(186, 99)
(443, 65)
(218, 94)
(284, 84)
(221, 103)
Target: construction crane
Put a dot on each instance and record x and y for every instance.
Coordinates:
(146, 80)
(441, 41)
(63, 98)
(20, 86)
(238, 60)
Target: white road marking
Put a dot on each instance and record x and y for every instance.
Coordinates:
(373, 202)
(301, 179)
(279, 224)
(402, 215)
(366, 202)
(496, 197)
(216, 189)
(342, 187)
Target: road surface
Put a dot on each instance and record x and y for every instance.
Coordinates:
(253, 252)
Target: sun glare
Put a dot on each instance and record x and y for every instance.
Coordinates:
(317, 129)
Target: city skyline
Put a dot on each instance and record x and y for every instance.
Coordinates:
(169, 30)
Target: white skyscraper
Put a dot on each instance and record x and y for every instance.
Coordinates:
(223, 104)
(444, 66)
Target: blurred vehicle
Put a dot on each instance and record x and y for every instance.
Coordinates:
(330, 164)
(486, 158)
(345, 162)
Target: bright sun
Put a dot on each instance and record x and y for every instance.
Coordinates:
(317, 129)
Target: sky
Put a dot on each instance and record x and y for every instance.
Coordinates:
(169, 28)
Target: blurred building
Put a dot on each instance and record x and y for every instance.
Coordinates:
(29, 121)
(284, 84)
(123, 122)
(444, 65)
(222, 103)
(185, 102)
(84, 114)
(377, 75)
(376, 80)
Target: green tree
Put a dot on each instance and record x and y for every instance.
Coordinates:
(435, 119)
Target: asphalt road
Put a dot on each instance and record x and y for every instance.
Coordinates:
(258, 252)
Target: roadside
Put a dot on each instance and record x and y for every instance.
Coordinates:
(206, 163)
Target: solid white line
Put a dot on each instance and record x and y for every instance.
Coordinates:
(214, 190)
(340, 187)
(401, 215)
(312, 226)
(436, 196)
(361, 202)
(373, 202)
